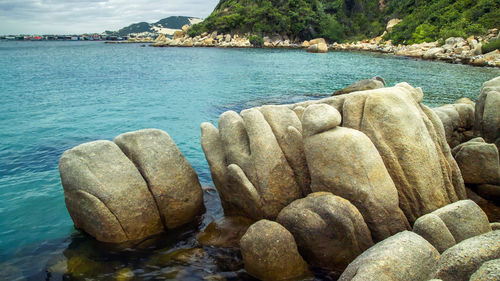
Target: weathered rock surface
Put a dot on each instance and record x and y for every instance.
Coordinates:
(410, 138)
(362, 85)
(249, 167)
(170, 178)
(317, 48)
(345, 162)
(106, 195)
(458, 121)
(462, 260)
(404, 256)
(270, 253)
(478, 162)
(487, 115)
(451, 224)
(329, 231)
(489, 271)
(434, 230)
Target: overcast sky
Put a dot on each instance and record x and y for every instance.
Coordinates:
(82, 16)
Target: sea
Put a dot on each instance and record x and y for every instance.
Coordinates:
(56, 95)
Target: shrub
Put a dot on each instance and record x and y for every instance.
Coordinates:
(256, 41)
(491, 46)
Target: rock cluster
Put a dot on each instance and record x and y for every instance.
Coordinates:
(137, 186)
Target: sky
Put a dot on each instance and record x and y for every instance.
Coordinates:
(88, 16)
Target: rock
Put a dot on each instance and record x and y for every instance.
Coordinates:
(478, 161)
(225, 232)
(410, 138)
(124, 274)
(492, 211)
(170, 178)
(178, 34)
(362, 85)
(462, 260)
(487, 115)
(185, 28)
(453, 223)
(318, 118)
(161, 38)
(329, 231)
(257, 184)
(489, 192)
(345, 162)
(453, 41)
(464, 219)
(317, 41)
(434, 230)
(270, 253)
(227, 38)
(489, 271)
(106, 195)
(457, 119)
(404, 256)
(391, 24)
(433, 53)
(305, 44)
(490, 59)
(318, 48)
(495, 226)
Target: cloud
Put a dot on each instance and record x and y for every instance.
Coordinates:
(81, 16)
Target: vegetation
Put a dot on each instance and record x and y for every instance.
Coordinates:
(342, 20)
(171, 22)
(491, 46)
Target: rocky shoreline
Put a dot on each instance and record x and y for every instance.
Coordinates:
(389, 175)
(454, 49)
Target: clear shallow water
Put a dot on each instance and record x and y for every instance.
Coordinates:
(56, 95)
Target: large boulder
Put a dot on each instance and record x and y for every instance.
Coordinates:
(410, 138)
(170, 178)
(329, 230)
(345, 162)
(451, 224)
(317, 48)
(462, 260)
(487, 115)
(362, 85)
(458, 121)
(248, 165)
(489, 271)
(478, 162)
(106, 195)
(225, 232)
(404, 256)
(270, 253)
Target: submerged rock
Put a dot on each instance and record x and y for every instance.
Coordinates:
(404, 256)
(225, 232)
(270, 253)
(106, 195)
(362, 85)
(329, 231)
(170, 178)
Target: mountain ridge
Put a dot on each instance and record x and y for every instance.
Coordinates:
(166, 25)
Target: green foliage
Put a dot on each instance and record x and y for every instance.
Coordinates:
(423, 33)
(256, 41)
(491, 46)
(345, 20)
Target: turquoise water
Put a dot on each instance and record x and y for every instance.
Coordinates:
(56, 95)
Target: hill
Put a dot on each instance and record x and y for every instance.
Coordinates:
(166, 26)
(345, 20)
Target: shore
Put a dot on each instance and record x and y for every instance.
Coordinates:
(454, 50)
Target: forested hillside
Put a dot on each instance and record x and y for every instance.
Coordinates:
(342, 20)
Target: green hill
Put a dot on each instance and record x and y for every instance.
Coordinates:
(174, 22)
(342, 20)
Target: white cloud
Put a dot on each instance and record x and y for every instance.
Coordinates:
(81, 16)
